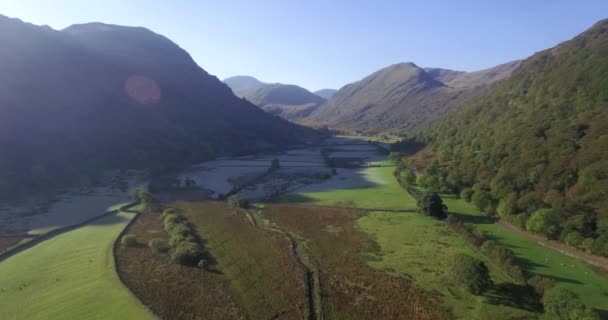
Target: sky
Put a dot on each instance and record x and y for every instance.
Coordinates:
(330, 43)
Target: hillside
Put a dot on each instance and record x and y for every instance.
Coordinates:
(97, 96)
(403, 98)
(287, 101)
(326, 93)
(535, 148)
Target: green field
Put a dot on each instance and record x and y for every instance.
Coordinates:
(70, 276)
(567, 272)
(385, 193)
(418, 247)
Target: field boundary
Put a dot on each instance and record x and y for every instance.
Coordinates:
(115, 247)
(37, 240)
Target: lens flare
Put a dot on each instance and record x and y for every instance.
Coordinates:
(143, 90)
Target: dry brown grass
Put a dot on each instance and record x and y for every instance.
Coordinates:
(172, 291)
(351, 289)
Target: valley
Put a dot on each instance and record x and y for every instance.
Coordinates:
(134, 184)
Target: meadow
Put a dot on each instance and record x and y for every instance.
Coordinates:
(567, 272)
(420, 248)
(71, 276)
(379, 190)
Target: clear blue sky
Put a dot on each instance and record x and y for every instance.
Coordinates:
(329, 43)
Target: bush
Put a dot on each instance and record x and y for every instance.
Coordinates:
(505, 259)
(466, 194)
(431, 204)
(176, 239)
(471, 273)
(187, 253)
(129, 240)
(169, 211)
(172, 219)
(235, 201)
(467, 231)
(541, 284)
(563, 304)
(158, 245)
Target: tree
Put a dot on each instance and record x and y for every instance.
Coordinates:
(142, 194)
(471, 273)
(466, 194)
(235, 201)
(482, 199)
(394, 157)
(563, 304)
(431, 204)
(275, 164)
(542, 222)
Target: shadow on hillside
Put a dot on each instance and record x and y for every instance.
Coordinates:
(469, 218)
(514, 295)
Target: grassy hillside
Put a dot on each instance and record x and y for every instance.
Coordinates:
(535, 149)
(403, 98)
(71, 276)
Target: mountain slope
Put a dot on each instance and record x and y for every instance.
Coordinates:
(99, 96)
(535, 148)
(287, 101)
(326, 93)
(403, 98)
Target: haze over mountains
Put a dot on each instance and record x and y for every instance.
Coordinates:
(288, 101)
(404, 98)
(97, 96)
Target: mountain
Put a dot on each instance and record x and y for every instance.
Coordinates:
(244, 86)
(326, 93)
(534, 149)
(403, 98)
(285, 100)
(97, 96)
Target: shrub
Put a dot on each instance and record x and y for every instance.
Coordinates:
(169, 211)
(471, 273)
(431, 204)
(129, 240)
(158, 245)
(187, 253)
(541, 284)
(505, 259)
(235, 201)
(467, 231)
(563, 304)
(172, 219)
(179, 228)
(176, 239)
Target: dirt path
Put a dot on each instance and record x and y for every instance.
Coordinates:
(557, 246)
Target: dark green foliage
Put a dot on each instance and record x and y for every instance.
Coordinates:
(141, 194)
(563, 304)
(394, 157)
(187, 253)
(538, 140)
(430, 204)
(467, 231)
(467, 194)
(128, 240)
(186, 247)
(235, 201)
(505, 259)
(471, 274)
(541, 284)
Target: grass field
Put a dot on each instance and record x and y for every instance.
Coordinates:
(567, 272)
(383, 193)
(70, 276)
(351, 288)
(420, 248)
